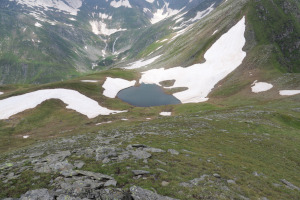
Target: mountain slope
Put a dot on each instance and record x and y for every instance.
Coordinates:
(70, 37)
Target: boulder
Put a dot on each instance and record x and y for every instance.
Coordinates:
(40, 194)
(139, 154)
(140, 172)
(138, 193)
(96, 176)
(173, 152)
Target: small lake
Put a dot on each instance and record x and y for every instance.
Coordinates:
(147, 95)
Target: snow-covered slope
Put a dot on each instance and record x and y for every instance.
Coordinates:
(223, 57)
(84, 35)
(73, 99)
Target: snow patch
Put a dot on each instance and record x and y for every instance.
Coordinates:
(38, 24)
(113, 85)
(289, 92)
(261, 87)
(224, 56)
(89, 81)
(117, 4)
(165, 113)
(202, 14)
(99, 27)
(26, 136)
(103, 123)
(1, 93)
(163, 13)
(142, 63)
(73, 99)
(69, 6)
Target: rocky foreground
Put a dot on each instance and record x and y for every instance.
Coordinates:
(183, 157)
(71, 182)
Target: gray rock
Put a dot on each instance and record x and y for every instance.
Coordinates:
(79, 164)
(106, 160)
(111, 183)
(67, 197)
(154, 150)
(43, 169)
(139, 154)
(193, 182)
(161, 162)
(68, 173)
(40, 194)
(105, 152)
(138, 193)
(124, 156)
(231, 182)
(217, 175)
(60, 166)
(290, 185)
(197, 180)
(113, 194)
(59, 156)
(162, 170)
(94, 175)
(33, 155)
(140, 172)
(173, 152)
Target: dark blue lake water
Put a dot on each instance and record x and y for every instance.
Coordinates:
(147, 95)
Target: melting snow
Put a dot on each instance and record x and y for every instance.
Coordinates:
(38, 24)
(73, 99)
(26, 136)
(142, 63)
(261, 87)
(89, 81)
(113, 85)
(202, 14)
(163, 13)
(1, 93)
(69, 6)
(289, 92)
(103, 123)
(165, 113)
(99, 27)
(224, 56)
(117, 4)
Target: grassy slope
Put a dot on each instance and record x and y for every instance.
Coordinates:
(234, 142)
(277, 23)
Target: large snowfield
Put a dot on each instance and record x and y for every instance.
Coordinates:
(74, 100)
(224, 56)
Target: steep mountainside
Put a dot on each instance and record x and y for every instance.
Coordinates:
(66, 38)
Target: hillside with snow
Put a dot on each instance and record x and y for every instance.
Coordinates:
(149, 99)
